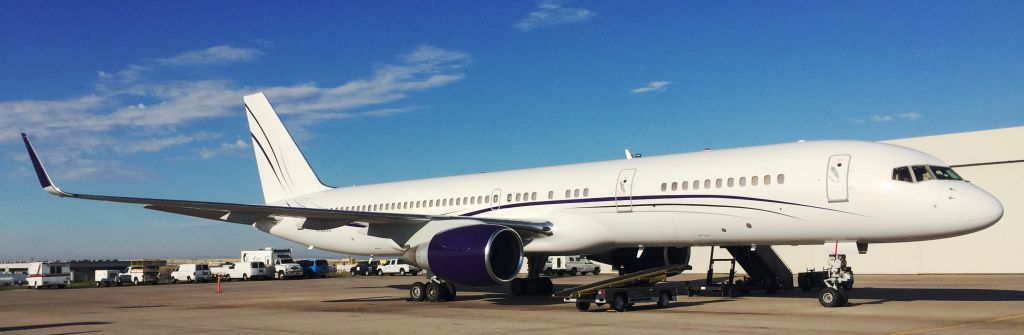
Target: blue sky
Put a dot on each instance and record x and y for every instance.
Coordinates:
(144, 99)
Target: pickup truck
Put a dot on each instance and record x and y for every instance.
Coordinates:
(397, 266)
(363, 268)
(139, 275)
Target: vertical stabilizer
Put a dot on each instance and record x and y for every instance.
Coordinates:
(284, 171)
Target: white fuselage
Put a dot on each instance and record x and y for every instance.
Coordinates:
(819, 191)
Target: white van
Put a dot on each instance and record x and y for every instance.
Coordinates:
(191, 272)
(46, 274)
(243, 271)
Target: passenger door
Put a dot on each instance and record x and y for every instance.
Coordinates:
(837, 178)
(624, 191)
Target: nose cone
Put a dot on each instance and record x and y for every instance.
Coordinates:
(981, 209)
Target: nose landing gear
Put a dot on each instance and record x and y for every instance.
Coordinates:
(838, 282)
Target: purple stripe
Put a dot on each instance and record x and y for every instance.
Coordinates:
(649, 197)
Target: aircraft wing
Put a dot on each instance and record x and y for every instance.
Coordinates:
(315, 218)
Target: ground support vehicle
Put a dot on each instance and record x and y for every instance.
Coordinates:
(279, 261)
(141, 272)
(243, 271)
(315, 268)
(191, 273)
(45, 274)
(396, 266)
(623, 291)
(107, 278)
(570, 265)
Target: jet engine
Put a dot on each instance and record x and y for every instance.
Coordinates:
(475, 255)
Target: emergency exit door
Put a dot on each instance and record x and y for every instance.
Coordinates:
(837, 178)
(624, 191)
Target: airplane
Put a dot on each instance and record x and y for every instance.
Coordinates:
(635, 213)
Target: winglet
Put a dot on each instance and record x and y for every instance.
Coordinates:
(44, 179)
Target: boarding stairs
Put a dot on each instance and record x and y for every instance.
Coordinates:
(764, 268)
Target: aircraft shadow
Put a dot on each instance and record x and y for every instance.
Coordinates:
(52, 325)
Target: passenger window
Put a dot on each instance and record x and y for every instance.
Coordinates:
(767, 179)
(664, 187)
(495, 198)
(696, 184)
(551, 195)
(718, 183)
(444, 202)
(576, 193)
(753, 181)
(707, 183)
(533, 196)
(780, 179)
(568, 194)
(686, 185)
(509, 198)
(731, 182)
(921, 173)
(518, 196)
(675, 186)
(458, 201)
(743, 181)
(586, 192)
(472, 200)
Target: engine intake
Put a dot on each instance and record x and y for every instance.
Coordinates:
(475, 255)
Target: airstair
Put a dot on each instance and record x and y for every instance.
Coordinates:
(765, 270)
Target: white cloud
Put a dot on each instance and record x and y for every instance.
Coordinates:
(654, 86)
(911, 117)
(221, 54)
(130, 113)
(551, 12)
(237, 147)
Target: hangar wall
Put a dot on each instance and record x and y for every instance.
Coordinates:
(991, 159)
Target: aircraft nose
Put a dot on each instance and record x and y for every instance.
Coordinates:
(983, 210)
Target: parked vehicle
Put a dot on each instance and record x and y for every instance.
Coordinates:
(396, 266)
(46, 274)
(570, 265)
(364, 268)
(141, 272)
(243, 271)
(280, 261)
(315, 268)
(191, 272)
(107, 278)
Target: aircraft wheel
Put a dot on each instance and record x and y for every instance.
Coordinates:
(830, 297)
(534, 286)
(450, 290)
(518, 286)
(433, 292)
(417, 292)
(582, 306)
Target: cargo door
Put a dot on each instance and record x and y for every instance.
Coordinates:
(837, 178)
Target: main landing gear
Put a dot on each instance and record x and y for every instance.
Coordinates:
(839, 281)
(434, 290)
(533, 284)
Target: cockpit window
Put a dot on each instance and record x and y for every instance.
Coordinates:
(902, 174)
(944, 173)
(921, 173)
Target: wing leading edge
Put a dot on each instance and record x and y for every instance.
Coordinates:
(315, 218)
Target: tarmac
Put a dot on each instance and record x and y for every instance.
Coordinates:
(879, 304)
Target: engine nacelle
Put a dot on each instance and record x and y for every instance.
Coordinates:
(475, 255)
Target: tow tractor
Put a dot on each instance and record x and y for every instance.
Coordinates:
(623, 291)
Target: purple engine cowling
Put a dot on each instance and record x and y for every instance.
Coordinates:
(475, 255)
